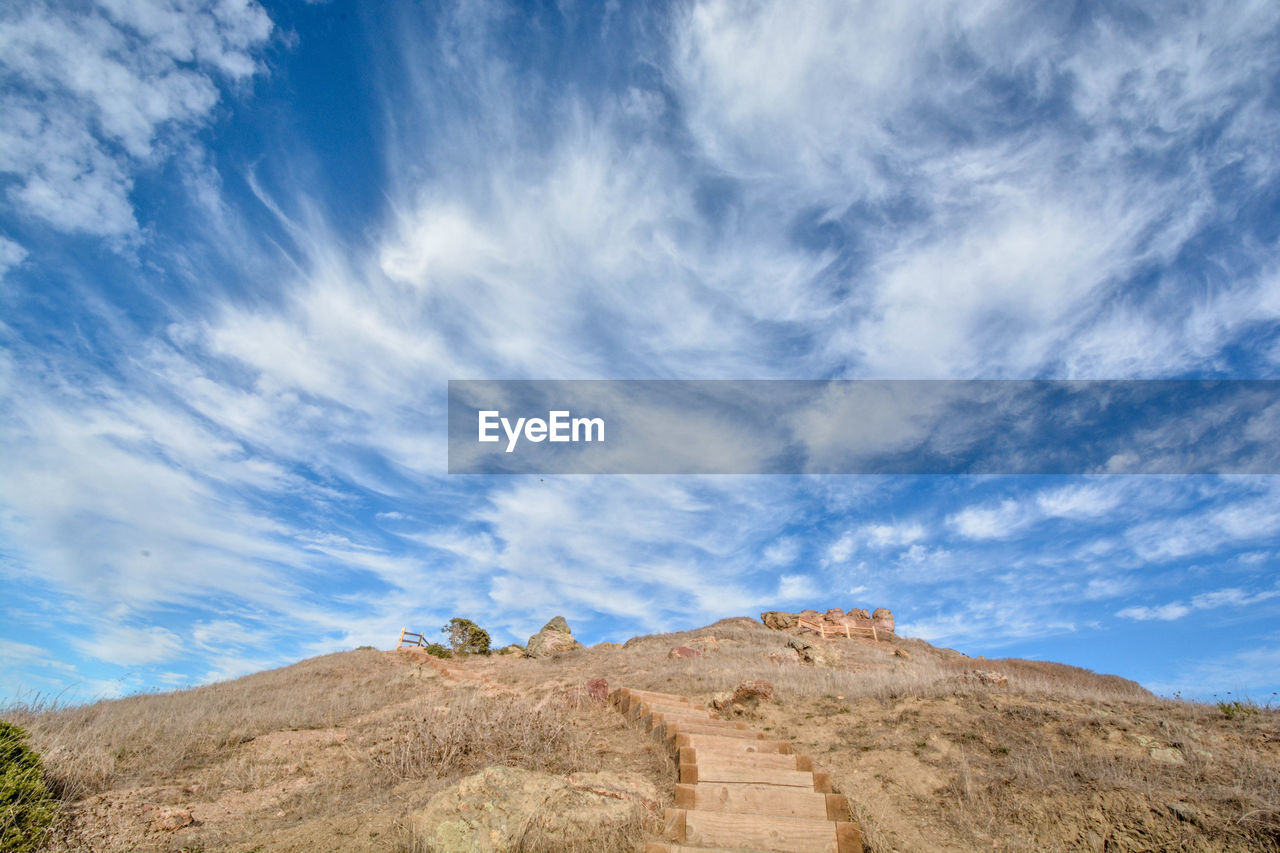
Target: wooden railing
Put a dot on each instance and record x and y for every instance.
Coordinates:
(840, 630)
(408, 638)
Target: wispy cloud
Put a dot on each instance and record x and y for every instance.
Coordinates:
(237, 426)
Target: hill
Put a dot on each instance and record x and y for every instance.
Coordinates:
(934, 750)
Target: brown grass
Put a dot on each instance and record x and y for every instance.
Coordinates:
(150, 738)
(1060, 758)
(472, 730)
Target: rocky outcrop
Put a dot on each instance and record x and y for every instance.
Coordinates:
(856, 617)
(778, 620)
(751, 693)
(553, 639)
(683, 652)
(809, 652)
(597, 690)
(705, 644)
(503, 809)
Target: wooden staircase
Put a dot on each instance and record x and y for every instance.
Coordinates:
(737, 790)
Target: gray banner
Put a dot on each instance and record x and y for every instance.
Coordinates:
(864, 427)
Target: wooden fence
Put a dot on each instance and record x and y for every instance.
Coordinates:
(840, 630)
(408, 638)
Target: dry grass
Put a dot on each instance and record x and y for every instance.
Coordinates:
(150, 738)
(471, 731)
(1060, 758)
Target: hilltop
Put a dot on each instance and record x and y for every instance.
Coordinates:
(933, 749)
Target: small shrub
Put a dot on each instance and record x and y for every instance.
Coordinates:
(26, 806)
(466, 637)
(1236, 708)
(437, 651)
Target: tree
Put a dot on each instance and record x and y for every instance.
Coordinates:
(26, 806)
(466, 637)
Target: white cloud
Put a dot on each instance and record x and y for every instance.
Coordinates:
(1079, 502)
(889, 535)
(11, 254)
(131, 646)
(1164, 612)
(783, 552)
(999, 522)
(1229, 597)
(795, 587)
(88, 96)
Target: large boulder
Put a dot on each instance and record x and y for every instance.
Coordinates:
(683, 653)
(750, 693)
(503, 809)
(778, 620)
(883, 619)
(553, 639)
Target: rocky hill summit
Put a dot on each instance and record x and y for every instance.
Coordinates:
(926, 748)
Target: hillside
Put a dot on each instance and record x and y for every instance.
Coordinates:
(934, 750)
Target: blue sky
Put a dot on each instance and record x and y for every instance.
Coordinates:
(245, 246)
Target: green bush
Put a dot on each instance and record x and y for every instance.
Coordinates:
(466, 637)
(1237, 708)
(26, 806)
(437, 651)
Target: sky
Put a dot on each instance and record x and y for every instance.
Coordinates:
(245, 246)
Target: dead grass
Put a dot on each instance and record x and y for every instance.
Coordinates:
(471, 731)
(1060, 758)
(149, 738)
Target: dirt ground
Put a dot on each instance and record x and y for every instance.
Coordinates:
(936, 751)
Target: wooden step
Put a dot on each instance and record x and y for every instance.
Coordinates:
(650, 694)
(644, 709)
(719, 743)
(676, 717)
(675, 728)
(761, 832)
(668, 847)
(668, 708)
(704, 771)
(666, 705)
(769, 760)
(742, 798)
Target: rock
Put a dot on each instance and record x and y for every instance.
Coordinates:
(1185, 813)
(607, 645)
(859, 613)
(553, 639)
(902, 653)
(503, 809)
(513, 649)
(721, 701)
(787, 655)
(808, 652)
(811, 615)
(597, 690)
(835, 616)
(883, 619)
(778, 620)
(170, 819)
(678, 652)
(705, 644)
(751, 693)
(987, 676)
(1168, 755)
